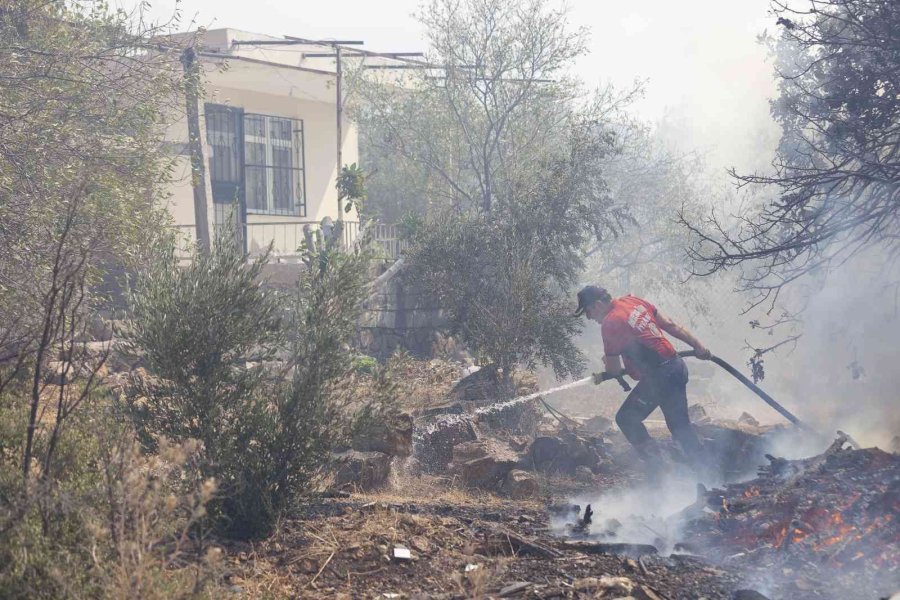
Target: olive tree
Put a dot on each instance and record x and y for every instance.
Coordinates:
(83, 106)
(249, 371)
(504, 150)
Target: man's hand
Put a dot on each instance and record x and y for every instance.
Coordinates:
(702, 351)
(606, 376)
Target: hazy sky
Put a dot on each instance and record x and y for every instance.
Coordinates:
(700, 57)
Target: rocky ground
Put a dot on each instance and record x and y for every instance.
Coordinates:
(452, 544)
(460, 501)
(452, 498)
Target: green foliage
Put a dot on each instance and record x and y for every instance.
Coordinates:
(504, 277)
(351, 185)
(249, 373)
(381, 406)
(204, 332)
(308, 420)
(86, 99)
(84, 111)
(85, 103)
(365, 365)
(500, 161)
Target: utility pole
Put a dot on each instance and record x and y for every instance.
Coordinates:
(195, 144)
(340, 114)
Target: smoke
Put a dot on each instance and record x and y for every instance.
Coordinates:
(844, 373)
(643, 514)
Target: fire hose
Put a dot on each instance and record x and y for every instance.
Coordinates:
(620, 377)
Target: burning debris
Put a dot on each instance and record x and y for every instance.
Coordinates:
(827, 522)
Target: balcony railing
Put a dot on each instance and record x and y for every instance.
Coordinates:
(287, 237)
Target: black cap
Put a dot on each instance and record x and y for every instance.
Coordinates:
(588, 295)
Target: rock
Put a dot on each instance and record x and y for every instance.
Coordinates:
(547, 426)
(608, 585)
(520, 484)
(436, 449)
(514, 588)
(564, 509)
(480, 386)
(488, 384)
(584, 474)
(547, 453)
(747, 595)
(697, 413)
(597, 424)
(564, 453)
(519, 443)
(467, 451)
(612, 525)
(392, 436)
(100, 329)
(483, 463)
(737, 448)
(420, 544)
(748, 419)
(362, 470)
(447, 409)
(58, 372)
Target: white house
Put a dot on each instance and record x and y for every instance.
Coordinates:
(269, 123)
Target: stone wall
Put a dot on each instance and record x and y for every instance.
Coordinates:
(400, 315)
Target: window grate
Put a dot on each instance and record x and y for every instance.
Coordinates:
(258, 158)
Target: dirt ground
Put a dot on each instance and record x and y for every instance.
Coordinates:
(428, 536)
(461, 545)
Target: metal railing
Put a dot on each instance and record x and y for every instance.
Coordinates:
(286, 237)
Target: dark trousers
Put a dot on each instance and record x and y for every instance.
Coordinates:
(665, 387)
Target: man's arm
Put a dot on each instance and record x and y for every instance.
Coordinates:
(679, 332)
(613, 364)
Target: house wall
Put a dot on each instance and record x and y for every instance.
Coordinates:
(274, 91)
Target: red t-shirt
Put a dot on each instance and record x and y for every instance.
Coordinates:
(630, 330)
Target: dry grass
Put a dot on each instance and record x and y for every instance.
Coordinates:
(349, 555)
(421, 384)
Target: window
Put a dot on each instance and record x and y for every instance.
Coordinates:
(271, 157)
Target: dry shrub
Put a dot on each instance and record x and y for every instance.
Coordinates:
(153, 504)
(110, 523)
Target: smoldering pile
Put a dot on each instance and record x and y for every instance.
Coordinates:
(826, 526)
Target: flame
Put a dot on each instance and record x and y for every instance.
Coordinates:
(780, 535)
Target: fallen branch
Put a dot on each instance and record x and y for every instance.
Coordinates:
(637, 550)
(325, 564)
(524, 546)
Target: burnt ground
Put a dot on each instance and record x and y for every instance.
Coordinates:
(432, 536)
(466, 543)
(461, 545)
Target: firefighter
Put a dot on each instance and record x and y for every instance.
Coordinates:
(632, 331)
